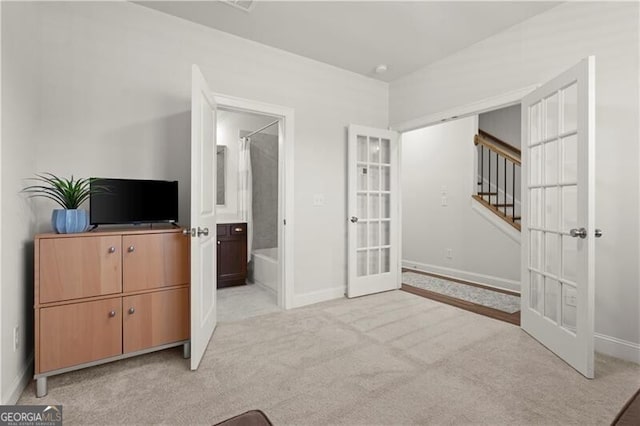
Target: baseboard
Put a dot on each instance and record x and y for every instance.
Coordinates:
(20, 383)
(617, 348)
(318, 296)
(488, 280)
(266, 287)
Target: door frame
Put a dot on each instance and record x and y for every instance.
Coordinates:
(286, 137)
(503, 100)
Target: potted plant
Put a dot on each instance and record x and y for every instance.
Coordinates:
(69, 194)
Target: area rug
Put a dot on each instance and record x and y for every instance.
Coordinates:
(489, 298)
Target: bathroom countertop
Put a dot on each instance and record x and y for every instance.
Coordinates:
(227, 221)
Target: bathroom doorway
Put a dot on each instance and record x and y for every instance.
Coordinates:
(247, 157)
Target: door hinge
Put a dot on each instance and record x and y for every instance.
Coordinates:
(285, 221)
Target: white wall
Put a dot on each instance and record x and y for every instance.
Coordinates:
(438, 161)
(230, 123)
(116, 96)
(534, 52)
(20, 91)
(503, 123)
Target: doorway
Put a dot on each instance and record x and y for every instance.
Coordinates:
(257, 137)
(469, 254)
(247, 163)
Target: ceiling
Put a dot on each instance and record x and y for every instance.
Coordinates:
(359, 35)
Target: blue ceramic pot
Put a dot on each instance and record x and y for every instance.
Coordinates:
(70, 221)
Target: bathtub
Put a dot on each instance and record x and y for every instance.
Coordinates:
(265, 268)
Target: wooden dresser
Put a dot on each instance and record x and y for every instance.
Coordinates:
(232, 254)
(103, 296)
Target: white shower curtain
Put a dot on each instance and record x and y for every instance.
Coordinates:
(245, 191)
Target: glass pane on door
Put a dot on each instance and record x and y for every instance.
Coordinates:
(373, 204)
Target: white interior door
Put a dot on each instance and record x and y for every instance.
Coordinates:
(203, 216)
(373, 194)
(558, 123)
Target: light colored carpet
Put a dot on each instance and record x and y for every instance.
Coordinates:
(245, 301)
(390, 358)
(489, 298)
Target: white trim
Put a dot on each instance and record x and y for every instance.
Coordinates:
(286, 143)
(20, 383)
(310, 298)
(263, 286)
(489, 104)
(617, 348)
(472, 277)
(492, 218)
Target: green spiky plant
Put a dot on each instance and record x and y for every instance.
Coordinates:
(68, 193)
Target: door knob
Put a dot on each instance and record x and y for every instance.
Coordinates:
(131, 249)
(353, 219)
(204, 231)
(132, 310)
(598, 233)
(580, 232)
(112, 314)
(112, 249)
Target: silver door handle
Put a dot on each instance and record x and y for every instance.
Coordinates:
(580, 232)
(204, 231)
(353, 219)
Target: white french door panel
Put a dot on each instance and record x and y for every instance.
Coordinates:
(373, 205)
(558, 215)
(203, 216)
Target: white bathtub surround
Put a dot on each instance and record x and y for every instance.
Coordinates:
(247, 301)
(265, 268)
(245, 192)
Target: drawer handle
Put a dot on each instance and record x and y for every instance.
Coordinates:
(112, 314)
(132, 311)
(131, 249)
(238, 229)
(112, 249)
(218, 242)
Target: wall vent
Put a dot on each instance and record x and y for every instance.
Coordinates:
(245, 5)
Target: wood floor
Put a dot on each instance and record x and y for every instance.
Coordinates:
(463, 304)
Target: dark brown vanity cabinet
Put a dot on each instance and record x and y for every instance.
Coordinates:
(232, 254)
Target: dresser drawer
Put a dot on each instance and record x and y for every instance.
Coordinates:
(154, 261)
(155, 319)
(79, 332)
(73, 268)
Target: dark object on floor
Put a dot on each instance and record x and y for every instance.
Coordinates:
(250, 418)
(630, 413)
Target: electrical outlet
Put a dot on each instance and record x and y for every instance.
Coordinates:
(16, 338)
(449, 253)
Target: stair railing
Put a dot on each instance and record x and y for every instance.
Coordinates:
(498, 176)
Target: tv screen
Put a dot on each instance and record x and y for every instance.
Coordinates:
(125, 201)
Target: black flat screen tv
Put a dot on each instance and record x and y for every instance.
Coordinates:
(133, 201)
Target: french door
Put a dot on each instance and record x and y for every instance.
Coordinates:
(373, 204)
(558, 123)
(203, 216)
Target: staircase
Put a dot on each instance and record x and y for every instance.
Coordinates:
(498, 176)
